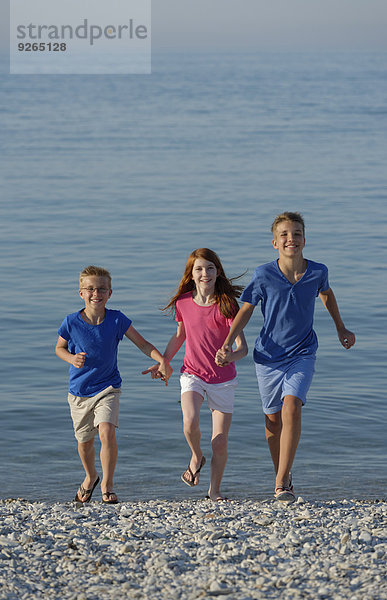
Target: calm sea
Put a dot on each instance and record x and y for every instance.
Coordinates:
(132, 173)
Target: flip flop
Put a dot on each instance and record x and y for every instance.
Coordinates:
(83, 492)
(190, 482)
(109, 500)
(219, 499)
(285, 493)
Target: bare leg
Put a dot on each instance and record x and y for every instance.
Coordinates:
(290, 436)
(108, 455)
(87, 455)
(221, 423)
(283, 430)
(273, 428)
(191, 403)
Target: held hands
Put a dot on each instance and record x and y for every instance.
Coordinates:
(346, 337)
(161, 371)
(223, 357)
(78, 360)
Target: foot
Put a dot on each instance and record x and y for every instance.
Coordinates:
(217, 498)
(285, 493)
(84, 495)
(192, 478)
(109, 498)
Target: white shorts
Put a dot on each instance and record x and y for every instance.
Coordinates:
(220, 396)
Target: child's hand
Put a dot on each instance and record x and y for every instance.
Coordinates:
(154, 371)
(346, 337)
(165, 371)
(223, 357)
(161, 371)
(78, 360)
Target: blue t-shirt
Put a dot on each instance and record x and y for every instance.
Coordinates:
(100, 342)
(287, 311)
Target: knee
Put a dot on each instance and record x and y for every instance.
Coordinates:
(86, 447)
(219, 444)
(273, 423)
(292, 407)
(190, 425)
(107, 433)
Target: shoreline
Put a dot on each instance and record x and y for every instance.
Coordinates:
(188, 549)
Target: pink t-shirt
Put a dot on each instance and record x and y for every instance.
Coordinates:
(206, 329)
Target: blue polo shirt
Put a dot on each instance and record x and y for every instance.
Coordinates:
(287, 311)
(100, 342)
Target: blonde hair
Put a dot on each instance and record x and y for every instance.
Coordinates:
(226, 292)
(91, 271)
(296, 217)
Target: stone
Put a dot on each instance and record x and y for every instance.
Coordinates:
(365, 537)
(244, 551)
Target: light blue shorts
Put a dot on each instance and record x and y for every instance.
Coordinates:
(292, 378)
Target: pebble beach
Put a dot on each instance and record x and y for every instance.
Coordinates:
(166, 550)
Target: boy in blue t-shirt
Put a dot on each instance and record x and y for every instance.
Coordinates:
(88, 340)
(285, 350)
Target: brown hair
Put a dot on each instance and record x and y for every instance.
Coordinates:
(226, 292)
(288, 216)
(95, 271)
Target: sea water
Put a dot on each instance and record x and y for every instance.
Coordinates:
(133, 173)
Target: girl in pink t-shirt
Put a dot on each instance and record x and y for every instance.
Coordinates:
(205, 305)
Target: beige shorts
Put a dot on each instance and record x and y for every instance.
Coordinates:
(220, 396)
(88, 412)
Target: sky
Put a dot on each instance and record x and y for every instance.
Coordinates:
(301, 25)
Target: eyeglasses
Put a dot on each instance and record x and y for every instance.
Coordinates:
(98, 290)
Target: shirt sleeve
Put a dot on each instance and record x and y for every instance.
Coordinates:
(178, 316)
(252, 293)
(324, 284)
(123, 325)
(63, 330)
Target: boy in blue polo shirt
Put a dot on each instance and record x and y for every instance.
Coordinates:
(285, 350)
(88, 340)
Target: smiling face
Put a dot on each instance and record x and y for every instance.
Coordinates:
(204, 274)
(289, 239)
(95, 291)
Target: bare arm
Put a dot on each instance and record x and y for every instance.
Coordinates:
(239, 323)
(150, 350)
(225, 357)
(241, 349)
(173, 346)
(176, 342)
(346, 337)
(61, 350)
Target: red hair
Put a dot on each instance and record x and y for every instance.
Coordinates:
(226, 293)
